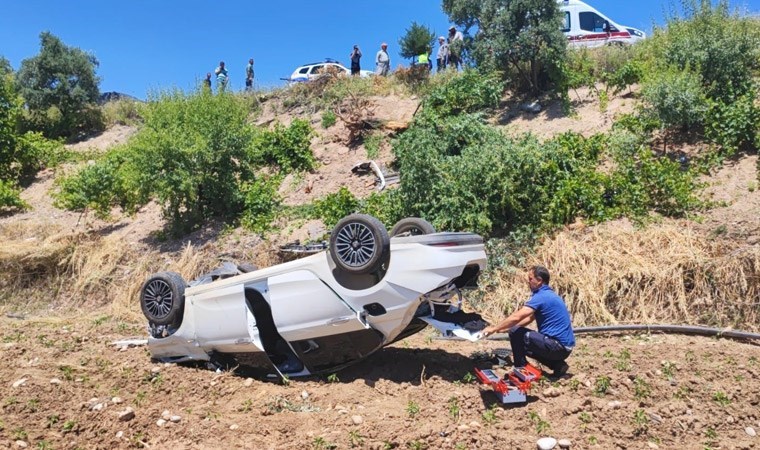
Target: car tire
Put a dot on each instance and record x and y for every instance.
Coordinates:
(359, 244)
(412, 226)
(162, 298)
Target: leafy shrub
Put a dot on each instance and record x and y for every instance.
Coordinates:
(260, 203)
(734, 125)
(645, 181)
(372, 145)
(10, 197)
(123, 112)
(21, 155)
(468, 92)
(96, 187)
(335, 206)
(328, 119)
(192, 156)
(463, 175)
(385, 205)
(36, 152)
(676, 98)
(637, 123)
(723, 47)
(287, 148)
(630, 73)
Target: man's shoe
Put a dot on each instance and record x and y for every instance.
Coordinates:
(560, 370)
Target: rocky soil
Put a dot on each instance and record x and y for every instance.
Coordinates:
(65, 385)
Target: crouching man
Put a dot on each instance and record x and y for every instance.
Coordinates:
(554, 340)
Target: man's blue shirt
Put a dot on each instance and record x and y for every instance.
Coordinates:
(552, 316)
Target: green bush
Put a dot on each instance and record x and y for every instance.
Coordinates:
(630, 73)
(385, 205)
(328, 119)
(333, 207)
(676, 98)
(734, 125)
(10, 197)
(122, 112)
(467, 92)
(723, 47)
(464, 175)
(97, 187)
(372, 144)
(287, 148)
(646, 182)
(191, 155)
(21, 155)
(260, 203)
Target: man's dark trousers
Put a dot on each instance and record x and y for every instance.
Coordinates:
(547, 350)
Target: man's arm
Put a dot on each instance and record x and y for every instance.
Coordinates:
(521, 317)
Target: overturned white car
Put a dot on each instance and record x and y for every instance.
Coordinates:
(320, 313)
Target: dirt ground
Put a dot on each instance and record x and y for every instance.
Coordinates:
(65, 385)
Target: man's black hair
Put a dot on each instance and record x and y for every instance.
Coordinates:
(541, 272)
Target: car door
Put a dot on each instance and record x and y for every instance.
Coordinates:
(322, 331)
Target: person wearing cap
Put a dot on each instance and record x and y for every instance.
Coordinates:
(442, 57)
(382, 61)
(456, 42)
(355, 56)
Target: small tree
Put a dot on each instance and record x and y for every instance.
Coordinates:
(60, 88)
(521, 36)
(417, 40)
(5, 66)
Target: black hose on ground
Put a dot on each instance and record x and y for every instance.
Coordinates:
(677, 329)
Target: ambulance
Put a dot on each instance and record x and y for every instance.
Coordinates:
(584, 26)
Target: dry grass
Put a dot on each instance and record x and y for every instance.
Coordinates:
(84, 272)
(666, 273)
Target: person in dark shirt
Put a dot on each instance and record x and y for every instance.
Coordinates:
(207, 81)
(552, 344)
(356, 56)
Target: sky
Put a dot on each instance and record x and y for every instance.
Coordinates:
(145, 46)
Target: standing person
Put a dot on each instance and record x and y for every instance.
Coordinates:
(221, 77)
(442, 57)
(554, 341)
(456, 42)
(382, 61)
(355, 56)
(207, 81)
(249, 76)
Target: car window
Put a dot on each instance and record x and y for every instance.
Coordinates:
(304, 70)
(566, 22)
(317, 69)
(591, 21)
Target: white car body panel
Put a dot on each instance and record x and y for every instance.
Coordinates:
(309, 72)
(584, 27)
(312, 303)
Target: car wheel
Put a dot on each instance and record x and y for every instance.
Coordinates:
(162, 298)
(359, 244)
(412, 226)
